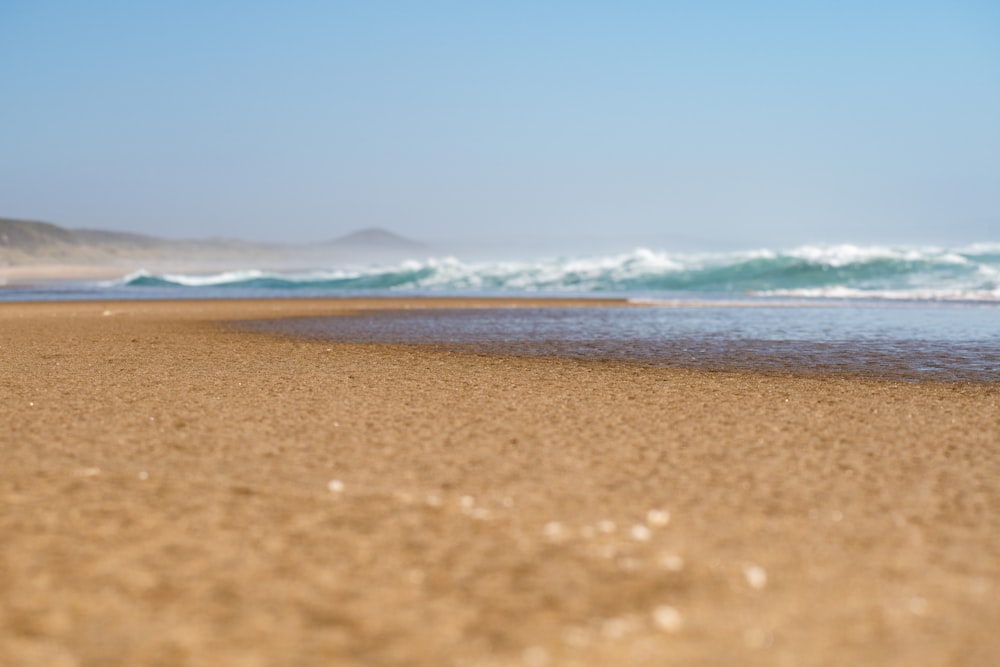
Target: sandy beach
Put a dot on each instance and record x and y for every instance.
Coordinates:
(47, 273)
(176, 491)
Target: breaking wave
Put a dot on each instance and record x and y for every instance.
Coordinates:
(835, 271)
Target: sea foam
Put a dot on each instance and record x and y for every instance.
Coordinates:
(812, 271)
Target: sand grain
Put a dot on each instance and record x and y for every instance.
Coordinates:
(167, 500)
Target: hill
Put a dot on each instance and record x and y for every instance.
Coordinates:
(30, 236)
(376, 237)
(32, 242)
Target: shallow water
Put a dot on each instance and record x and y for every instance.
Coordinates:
(911, 341)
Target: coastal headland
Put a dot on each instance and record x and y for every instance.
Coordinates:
(32, 252)
(178, 491)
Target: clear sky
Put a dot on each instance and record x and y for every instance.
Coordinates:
(742, 123)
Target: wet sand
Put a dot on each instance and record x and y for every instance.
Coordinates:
(176, 491)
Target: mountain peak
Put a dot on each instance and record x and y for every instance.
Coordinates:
(377, 237)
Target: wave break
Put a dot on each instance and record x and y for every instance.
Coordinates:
(840, 271)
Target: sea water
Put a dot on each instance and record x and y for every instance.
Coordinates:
(906, 341)
(841, 271)
(970, 273)
(904, 312)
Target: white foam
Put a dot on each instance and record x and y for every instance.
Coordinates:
(840, 271)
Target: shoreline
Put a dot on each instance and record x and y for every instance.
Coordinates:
(646, 336)
(16, 275)
(169, 496)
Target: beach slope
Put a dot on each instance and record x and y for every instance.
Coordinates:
(176, 491)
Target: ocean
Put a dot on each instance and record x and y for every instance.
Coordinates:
(900, 312)
(841, 271)
(970, 273)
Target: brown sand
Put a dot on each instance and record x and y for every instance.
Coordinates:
(165, 501)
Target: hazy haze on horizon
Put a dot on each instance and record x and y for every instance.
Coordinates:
(711, 125)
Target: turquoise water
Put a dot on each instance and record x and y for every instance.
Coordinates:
(969, 273)
(810, 271)
(912, 313)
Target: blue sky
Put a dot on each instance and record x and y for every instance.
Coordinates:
(657, 123)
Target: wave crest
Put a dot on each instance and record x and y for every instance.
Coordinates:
(815, 271)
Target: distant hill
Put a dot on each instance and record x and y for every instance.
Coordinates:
(33, 242)
(31, 236)
(106, 237)
(376, 237)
